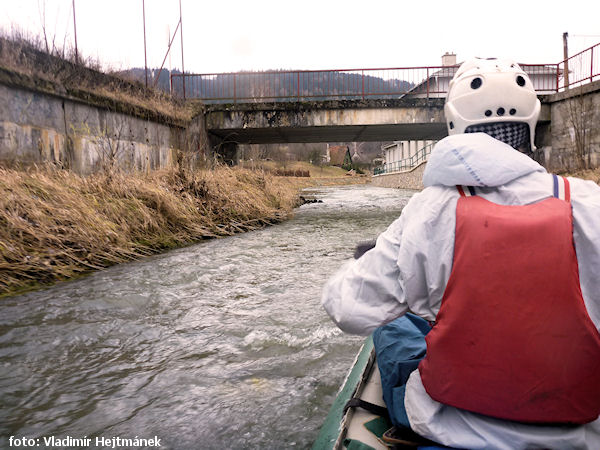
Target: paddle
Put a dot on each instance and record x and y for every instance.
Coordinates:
(362, 248)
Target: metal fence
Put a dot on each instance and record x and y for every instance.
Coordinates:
(314, 84)
(407, 163)
(582, 68)
(351, 84)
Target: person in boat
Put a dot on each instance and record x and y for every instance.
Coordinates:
(496, 263)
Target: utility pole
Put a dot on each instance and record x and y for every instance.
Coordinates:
(145, 56)
(170, 66)
(566, 57)
(181, 34)
(75, 32)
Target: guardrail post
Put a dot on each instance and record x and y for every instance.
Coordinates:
(362, 72)
(428, 83)
(234, 91)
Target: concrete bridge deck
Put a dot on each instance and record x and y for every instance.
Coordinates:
(327, 121)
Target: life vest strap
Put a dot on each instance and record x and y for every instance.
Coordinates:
(561, 188)
(466, 191)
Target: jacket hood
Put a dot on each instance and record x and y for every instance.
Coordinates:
(476, 159)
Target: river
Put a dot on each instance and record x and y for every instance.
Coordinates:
(222, 344)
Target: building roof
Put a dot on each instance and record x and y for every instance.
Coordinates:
(337, 153)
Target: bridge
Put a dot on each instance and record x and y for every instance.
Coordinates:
(327, 121)
(353, 105)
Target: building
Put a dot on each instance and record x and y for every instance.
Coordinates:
(339, 155)
(399, 156)
(437, 80)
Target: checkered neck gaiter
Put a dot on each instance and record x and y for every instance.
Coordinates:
(515, 134)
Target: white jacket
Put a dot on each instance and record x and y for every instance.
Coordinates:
(409, 267)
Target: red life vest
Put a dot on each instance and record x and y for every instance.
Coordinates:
(513, 338)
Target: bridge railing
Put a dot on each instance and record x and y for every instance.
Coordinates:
(314, 84)
(407, 163)
(584, 67)
(348, 84)
(426, 81)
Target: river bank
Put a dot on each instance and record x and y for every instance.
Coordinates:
(56, 225)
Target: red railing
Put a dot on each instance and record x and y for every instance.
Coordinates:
(303, 85)
(314, 84)
(584, 67)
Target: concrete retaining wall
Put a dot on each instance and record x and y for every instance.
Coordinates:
(412, 179)
(40, 127)
(573, 136)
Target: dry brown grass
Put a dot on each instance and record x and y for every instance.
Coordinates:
(55, 225)
(83, 78)
(586, 174)
(319, 175)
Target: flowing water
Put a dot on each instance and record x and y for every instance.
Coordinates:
(220, 345)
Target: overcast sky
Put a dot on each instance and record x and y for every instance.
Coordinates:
(232, 35)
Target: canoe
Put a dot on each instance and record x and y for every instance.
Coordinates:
(362, 427)
(348, 425)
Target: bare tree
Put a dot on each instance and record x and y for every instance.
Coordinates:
(42, 12)
(579, 119)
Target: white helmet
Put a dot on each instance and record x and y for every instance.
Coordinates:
(494, 96)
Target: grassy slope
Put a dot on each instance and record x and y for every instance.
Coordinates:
(319, 175)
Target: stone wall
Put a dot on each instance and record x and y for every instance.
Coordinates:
(412, 179)
(573, 136)
(41, 124)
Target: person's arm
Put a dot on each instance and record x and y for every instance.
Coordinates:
(366, 293)
(407, 269)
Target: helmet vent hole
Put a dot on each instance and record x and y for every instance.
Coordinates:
(520, 81)
(500, 111)
(476, 83)
(451, 124)
(488, 113)
(512, 112)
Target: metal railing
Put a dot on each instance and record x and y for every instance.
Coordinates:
(352, 84)
(407, 163)
(582, 68)
(314, 84)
